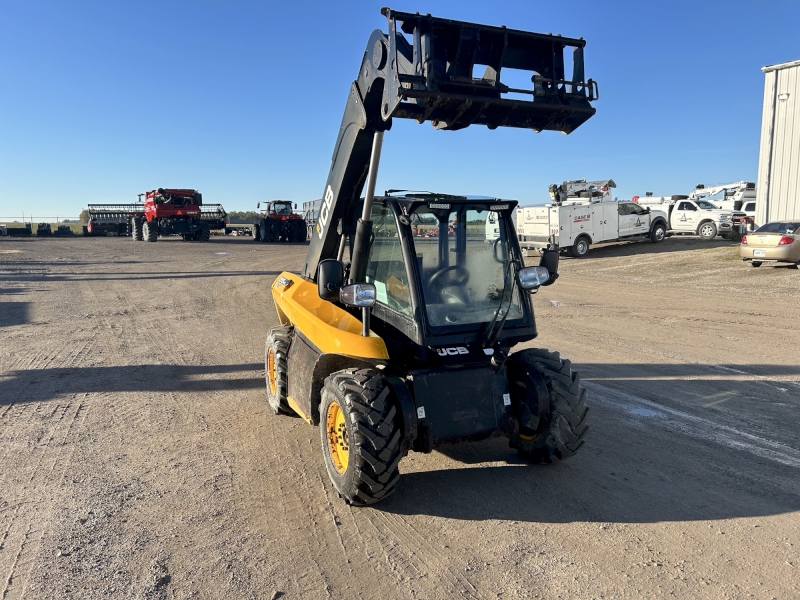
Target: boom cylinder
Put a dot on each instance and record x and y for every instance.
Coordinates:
(364, 226)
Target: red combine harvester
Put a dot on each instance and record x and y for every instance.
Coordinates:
(163, 212)
(171, 212)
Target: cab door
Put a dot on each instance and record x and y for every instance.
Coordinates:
(624, 212)
(684, 217)
(640, 220)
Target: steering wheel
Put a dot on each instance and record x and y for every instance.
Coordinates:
(452, 275)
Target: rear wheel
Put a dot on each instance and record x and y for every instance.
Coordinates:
(559, 430)
(149, 232)
(580, 248)
(707, 231)
(360, 429)
(275, 353)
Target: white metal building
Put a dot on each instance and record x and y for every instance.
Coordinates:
(778, 186)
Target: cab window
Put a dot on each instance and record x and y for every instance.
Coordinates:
(385, 268)
(686, 206)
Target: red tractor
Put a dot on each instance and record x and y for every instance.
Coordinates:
(170, 212)
(277, 222)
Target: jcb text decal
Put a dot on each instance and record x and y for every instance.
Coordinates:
(325, 211)
(452, 351)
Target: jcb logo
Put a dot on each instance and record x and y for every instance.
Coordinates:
(325, 211)
(452, 351)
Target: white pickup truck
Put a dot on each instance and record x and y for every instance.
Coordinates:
(579, 218)
(698, 217)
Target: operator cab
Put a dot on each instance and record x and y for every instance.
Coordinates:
(282, 209)
(437, 271)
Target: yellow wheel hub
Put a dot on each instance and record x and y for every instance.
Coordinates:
(271, 371)
(336, 428)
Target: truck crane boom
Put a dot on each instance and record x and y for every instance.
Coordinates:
(430, 77)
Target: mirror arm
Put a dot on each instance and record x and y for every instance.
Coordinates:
(365, 318)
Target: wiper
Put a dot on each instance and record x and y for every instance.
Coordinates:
(493, 334)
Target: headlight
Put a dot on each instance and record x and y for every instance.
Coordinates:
(726, 218)
(358, 294)
(532, 277)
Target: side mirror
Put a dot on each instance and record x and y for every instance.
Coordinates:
(550, 262)
(258, 205)
(295, 205)
(330, 279)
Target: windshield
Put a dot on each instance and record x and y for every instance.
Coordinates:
(463, 260)
(282, 208)
(782, 228)
(705, 204)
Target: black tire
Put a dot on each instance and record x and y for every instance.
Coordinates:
(580, 248)
(276, 351)
(287, 231)
(755, 263)
(561, 430)
(203, 233)
(679, 197)
(256, 233)
(149, 232)
(136, 229)
(271, 229)
(658, 233)
(298, 230)
(707, 231)
(368, 434)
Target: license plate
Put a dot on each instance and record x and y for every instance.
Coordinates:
(761, 253)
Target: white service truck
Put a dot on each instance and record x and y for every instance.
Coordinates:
(698, 217)
(739, 197)
(584, 213)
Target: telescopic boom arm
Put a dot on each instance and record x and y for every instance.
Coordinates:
(425, 69)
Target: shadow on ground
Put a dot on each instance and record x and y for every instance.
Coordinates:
(42, 275)
(14, 313)
(37, 385)
(672, 460)
(641, 248)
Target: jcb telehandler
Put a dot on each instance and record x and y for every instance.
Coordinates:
(397, 334)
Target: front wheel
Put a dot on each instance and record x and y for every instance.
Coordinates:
(149, 232)
(360, 428)
(559, 430)
(707, 231)
(203, 233)
(255, 233)
(658, 234)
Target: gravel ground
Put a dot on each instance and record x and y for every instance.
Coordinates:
(140, 459)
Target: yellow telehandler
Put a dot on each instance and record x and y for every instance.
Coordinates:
(397, 335)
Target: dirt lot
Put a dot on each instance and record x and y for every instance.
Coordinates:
(140, 459)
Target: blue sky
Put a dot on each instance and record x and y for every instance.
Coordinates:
(102, 100)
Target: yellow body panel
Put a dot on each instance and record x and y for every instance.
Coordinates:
(330, 328)
(296, 408)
